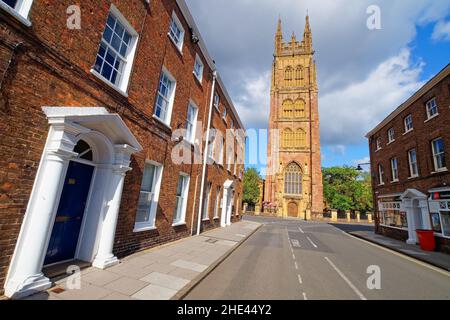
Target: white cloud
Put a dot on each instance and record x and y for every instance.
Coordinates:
(347, 114)
(253, 101)
(441, 31)
(338, 149)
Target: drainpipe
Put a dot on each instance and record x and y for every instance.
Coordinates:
(205, 153)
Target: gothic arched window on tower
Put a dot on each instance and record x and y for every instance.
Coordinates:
(299, 76)
(300, 138)
(299, 109)
(293, 179)
(288, 75)
(287, 138)
(288, 108)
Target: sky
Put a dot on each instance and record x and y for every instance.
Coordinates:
(363, 73)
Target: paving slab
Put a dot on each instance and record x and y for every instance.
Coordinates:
(154, 292)
(126, 286)
(165, 280)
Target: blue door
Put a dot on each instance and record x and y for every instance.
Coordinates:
(66, 229)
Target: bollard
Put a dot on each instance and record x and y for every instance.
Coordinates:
(334, 215)
(358, 216)
(257, 210)
(349, 217)
(308, 214)
(369, 218)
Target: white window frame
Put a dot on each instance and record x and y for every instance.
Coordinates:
(20, 11)
(184, 197)
(391, 135)
(413, 164)
(124, 81)
(444, 168)
(429, 107)
(150, 225)
(190, 136)
(182, 32)
(170, 99)
(394, 170)
(221, 146)
(216, 100)
(408, 122)
(380, 174)
(217, 204)
(211, 143)
(224, 113)
(378, 144)
(198, 61)
(205, 213)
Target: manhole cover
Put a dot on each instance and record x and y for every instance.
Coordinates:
(211, 240)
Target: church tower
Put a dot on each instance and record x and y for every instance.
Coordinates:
(294, 175)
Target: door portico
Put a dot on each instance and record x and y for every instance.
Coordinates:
(227, 203)
(112, 144)
(417, 214)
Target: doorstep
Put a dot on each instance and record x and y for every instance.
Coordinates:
(437, 259)
(166, 272)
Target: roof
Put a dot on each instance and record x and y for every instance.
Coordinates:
(425, 88)
(190, 21)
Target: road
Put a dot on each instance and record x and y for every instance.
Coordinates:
(299, 260)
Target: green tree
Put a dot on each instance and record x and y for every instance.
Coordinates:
(251, 186)
(345, 188)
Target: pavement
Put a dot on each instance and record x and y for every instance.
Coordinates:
(162, 273)
(438, 259)
(298, 260)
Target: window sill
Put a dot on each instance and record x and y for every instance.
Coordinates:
(381, 184)
(178, 224)
(179, 47)
(15, 14)
(413, 177)
(216, 218)
(206, 220)
(431, 118)
(104, 80)
(390, 142)
(395, 181)
(406, 132)
(199, 80)
(378, 149)
(440, 171)
(143, 229)
(162, 122)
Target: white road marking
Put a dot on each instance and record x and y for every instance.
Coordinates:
(360, 295)
(240, 235)
(296, 243)
(296, 265)
(423, 264)
(293, 256)
(300, 279)
(304, 296)
(301, 230)
(309, 239)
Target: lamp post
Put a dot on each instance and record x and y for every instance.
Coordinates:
(360, 168)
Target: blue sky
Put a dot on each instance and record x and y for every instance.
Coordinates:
(363, 74)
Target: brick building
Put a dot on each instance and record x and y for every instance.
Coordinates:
(102, 134)
(294, 178)
(409, 153)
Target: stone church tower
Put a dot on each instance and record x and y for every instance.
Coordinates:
(294, 175)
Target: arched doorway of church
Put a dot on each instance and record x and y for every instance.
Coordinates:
(292, 210)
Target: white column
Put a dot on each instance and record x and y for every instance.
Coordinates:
(423, 205)
(229, 206)
(26, 277)
(223, 220)
(408, 206)
(105, 257)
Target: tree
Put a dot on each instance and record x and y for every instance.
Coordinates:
(346, 188)
(251, 186)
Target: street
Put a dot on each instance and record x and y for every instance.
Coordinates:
(298, 260)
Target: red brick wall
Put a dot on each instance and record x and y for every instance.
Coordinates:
(420, 139)
(52, 68)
